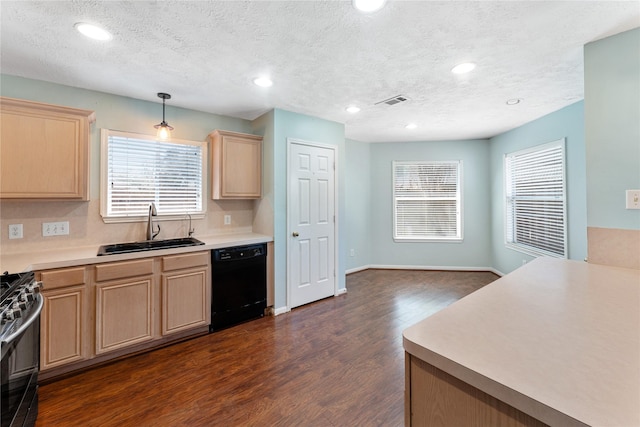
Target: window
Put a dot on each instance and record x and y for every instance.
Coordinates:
(535, 200)
(138, 169)
(427, 201)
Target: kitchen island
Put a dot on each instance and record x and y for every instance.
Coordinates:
(555, 342)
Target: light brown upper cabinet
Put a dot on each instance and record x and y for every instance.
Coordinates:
(44, 151)
(236, 165)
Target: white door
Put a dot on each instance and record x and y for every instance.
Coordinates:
(311, 245)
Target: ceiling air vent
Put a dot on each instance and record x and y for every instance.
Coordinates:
(394, 100)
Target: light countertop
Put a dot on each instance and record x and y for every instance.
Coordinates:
(67, 257)
(556, 339)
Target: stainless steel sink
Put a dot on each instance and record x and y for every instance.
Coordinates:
(147, 245)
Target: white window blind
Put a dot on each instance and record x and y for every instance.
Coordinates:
(535, 200)
(140, 170)
(427, 200)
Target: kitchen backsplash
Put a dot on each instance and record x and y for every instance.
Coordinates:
(86, 227)
(614, 247)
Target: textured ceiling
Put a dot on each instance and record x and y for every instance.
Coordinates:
(324, 56)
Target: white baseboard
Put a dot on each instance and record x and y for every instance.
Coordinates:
(498, 272)
(424, 267)
(355, 270)
(281, 310)
(341, 292)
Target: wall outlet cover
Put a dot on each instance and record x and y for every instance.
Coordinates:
(55, 228)
(15, 231)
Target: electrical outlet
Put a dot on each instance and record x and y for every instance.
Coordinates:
(227, 219)
(633, 199)
(55, 228)
(352, 252)
(15, 231)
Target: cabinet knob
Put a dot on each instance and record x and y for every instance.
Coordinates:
(295, 234)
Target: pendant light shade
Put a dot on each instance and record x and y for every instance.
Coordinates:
(164, 130)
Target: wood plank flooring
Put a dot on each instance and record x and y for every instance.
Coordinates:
(336, 362)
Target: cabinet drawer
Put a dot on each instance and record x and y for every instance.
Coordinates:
(177, 262)
(118, 270)
(55, 279)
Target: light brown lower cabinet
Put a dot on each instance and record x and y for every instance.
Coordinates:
(64, 317)
(186, 291)
(434, 398)
(124, 313)
(124, 304)
(99, 312)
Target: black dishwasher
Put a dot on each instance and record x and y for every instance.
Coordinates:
(239, 285)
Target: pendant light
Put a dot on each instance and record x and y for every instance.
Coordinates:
(164, 130)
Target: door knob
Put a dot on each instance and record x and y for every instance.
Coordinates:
(295, 234)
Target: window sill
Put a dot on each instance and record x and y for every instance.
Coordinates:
(444, 240)
(532, 251)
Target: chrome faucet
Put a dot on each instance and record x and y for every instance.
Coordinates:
(152, 213)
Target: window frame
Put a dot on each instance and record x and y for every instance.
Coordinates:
(104, 178)
(521, 247)
(459, 237)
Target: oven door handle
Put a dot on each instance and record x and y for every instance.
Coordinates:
(27, 322)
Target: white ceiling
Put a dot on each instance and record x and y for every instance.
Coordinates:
(324, 56)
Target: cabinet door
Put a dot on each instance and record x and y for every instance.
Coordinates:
(185, 300)
(62, 326)
(124, 313)
(44, 151)
(236, 165)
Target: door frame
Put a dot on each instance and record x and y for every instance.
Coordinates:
(290, 142)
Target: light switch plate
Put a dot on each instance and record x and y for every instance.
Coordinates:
(633, 199)
(227, 219)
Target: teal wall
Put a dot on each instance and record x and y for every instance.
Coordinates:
(312, 129)
(566, 123)
(612, 120)
(358, 203)
(263, 208)
(370, 210)
(474, 250)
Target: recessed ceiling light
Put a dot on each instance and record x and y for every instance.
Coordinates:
(465, 67)
(514, 101)
(263, 82)
(352, 109)
(411, 126)
(93, 31)
(368, 6)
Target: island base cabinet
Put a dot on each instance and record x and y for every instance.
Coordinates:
(436, 399)
(124, 314)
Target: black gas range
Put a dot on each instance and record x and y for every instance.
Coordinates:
(20, 307)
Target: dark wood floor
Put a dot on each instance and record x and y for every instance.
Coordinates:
(336, 362)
